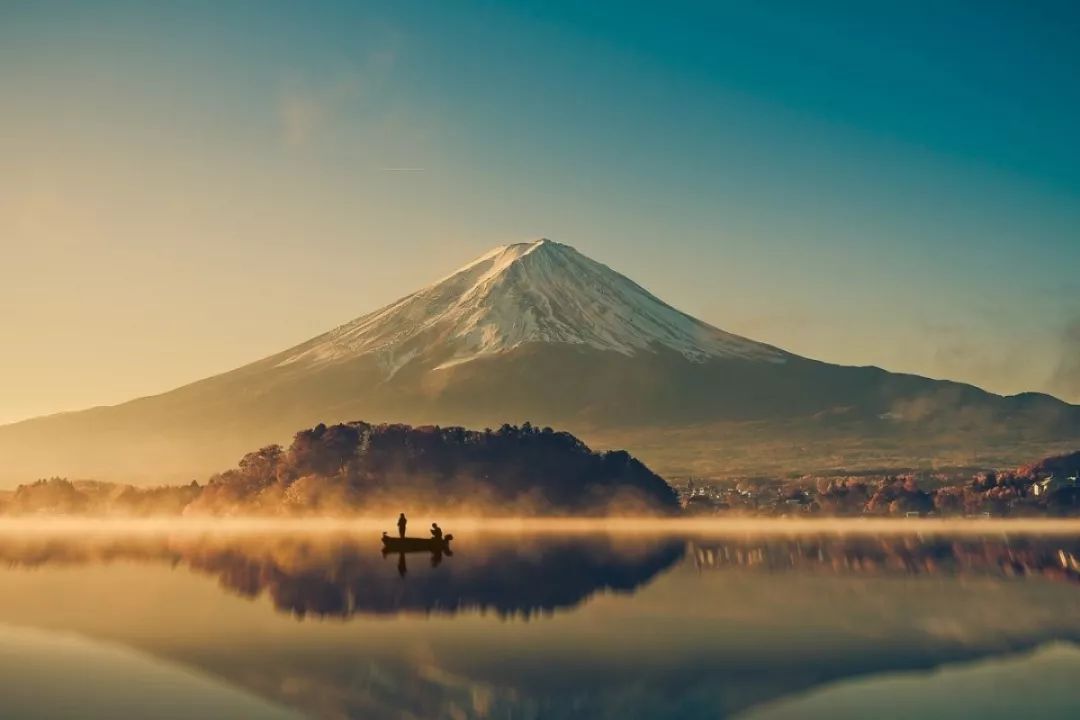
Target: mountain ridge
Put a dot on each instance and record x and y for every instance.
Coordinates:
(537, 331)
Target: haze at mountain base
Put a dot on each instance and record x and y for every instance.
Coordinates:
(538, 332)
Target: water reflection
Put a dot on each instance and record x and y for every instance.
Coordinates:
(700, 626)
(973, 690)
(436, 556)
(58, 676)
(346, 575)
(1002, 556)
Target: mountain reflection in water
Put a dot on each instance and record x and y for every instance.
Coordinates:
(620, 625)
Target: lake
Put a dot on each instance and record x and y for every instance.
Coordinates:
(681, 620)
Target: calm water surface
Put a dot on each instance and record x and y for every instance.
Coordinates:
(111, 624)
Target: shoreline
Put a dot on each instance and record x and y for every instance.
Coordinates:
(567, 525)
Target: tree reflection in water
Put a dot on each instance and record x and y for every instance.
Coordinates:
(330, 575)
(523, 575)
(1056, 558)
(743, 620)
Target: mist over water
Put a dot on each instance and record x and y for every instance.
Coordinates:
(647, 526)
(554, 617)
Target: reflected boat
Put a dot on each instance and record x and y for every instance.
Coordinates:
(553, 625)
(339, 575)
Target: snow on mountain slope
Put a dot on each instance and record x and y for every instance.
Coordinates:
(541, 291)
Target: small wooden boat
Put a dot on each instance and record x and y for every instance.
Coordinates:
(415, 544)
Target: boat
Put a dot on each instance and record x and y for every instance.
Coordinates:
(415, 544)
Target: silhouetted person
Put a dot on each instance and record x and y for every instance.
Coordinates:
(401, 523)
(436, 532)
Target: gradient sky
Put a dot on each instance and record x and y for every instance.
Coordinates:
(186, 187)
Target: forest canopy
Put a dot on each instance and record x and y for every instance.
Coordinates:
(360, 468)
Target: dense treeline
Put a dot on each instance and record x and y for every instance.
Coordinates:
(1050, 487)
(511, 470)
(357, 468)
(360, 468)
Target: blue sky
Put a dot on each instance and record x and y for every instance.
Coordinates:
(189, 186)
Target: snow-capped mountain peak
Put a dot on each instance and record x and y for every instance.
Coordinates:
(535, 292)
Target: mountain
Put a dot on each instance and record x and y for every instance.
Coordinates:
(539, 292)
(537, 331)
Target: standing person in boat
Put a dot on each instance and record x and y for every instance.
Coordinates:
(401, 523)
(436, 532)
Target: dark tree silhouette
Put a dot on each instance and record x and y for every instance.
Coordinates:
(356, 465)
